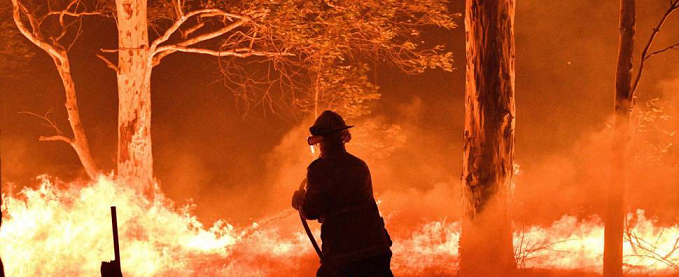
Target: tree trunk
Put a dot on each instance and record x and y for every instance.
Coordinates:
(615, 213)
(486, 241)
(135, 160)
(62, 63)
(79, 141)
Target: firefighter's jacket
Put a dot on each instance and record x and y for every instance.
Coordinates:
(340, 195)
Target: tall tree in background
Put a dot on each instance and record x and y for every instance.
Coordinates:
(625, 88)
(615, 213)
(486, 240)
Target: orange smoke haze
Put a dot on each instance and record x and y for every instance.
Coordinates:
(227, 178)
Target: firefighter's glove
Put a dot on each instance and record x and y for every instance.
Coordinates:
(298, 199)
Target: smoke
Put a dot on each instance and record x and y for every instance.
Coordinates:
(575, 180)
(206, 152)
(403, 158)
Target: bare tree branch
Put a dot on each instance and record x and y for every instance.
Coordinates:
(48, 121)
(53, 125)
(65, 13)
(674, 46)
(33, 34)
(650, 249)
(189, 31)
(674, 5)
(239, 53)
(160, 53)
(202, 12)
(211, 35)
(56, 138)
(108, 63)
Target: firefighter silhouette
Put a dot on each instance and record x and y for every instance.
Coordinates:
(339, 195)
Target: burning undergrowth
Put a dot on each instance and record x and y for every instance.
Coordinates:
(64, 229)
(59, 228)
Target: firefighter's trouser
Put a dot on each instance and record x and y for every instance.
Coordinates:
(378, 266)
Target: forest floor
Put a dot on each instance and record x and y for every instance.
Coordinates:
(566, 273)
(575, 273)
(532, 272)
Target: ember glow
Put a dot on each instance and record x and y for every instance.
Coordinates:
(64, 229)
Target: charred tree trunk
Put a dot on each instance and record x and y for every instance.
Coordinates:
(135, 160)
(615, 213)
(486, 241)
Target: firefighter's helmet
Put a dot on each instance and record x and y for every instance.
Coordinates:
(327, 123)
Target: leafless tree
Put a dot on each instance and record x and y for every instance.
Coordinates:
(54, 26)
(625, 89)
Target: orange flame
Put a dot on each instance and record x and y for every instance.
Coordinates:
(64, 230)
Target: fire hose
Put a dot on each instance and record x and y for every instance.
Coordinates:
(309, 234)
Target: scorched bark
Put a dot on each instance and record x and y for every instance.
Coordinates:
(135, 160)
(486, 240)
(615, 212)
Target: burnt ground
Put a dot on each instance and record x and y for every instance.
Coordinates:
(576, 273)
(566, 273)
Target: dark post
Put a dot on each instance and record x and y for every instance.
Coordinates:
(114, 224)
(112, 268)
